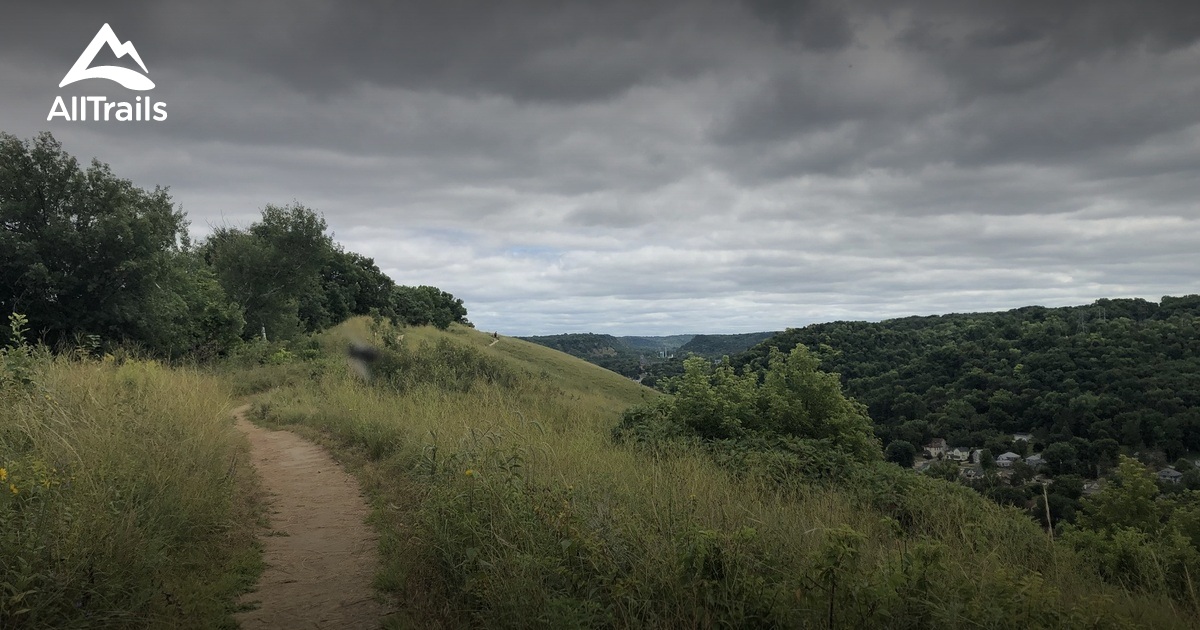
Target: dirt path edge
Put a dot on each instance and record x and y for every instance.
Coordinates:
(320, 555)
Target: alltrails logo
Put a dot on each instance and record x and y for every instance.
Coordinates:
(100, 108)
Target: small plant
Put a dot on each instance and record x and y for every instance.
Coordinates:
(17, 358)
(281, 357)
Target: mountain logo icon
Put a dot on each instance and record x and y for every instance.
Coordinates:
(130, 79)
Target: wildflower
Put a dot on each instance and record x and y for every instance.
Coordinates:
(469, 473)
(13, 488)
(3, 474)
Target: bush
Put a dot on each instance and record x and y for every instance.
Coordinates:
(789, 421)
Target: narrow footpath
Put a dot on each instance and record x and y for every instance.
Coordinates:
(320, 554)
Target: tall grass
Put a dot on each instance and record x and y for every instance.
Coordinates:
(127, 501)
(504, 503)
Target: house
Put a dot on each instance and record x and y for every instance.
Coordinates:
(1035, 461)
(935, 447)
(959, 454)
(1006, 460)
(1169, 475)
(1092, 487)
(1022, 437)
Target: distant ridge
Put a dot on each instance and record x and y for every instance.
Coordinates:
(632, 355)
(1114, 374)
(716, 346)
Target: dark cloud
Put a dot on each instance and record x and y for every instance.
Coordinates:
(813, 24)
(553, 52)
(657, 167)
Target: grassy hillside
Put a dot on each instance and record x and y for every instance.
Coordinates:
(126, 499)
(607, 351)
(537, 360)
(639, 356)
(503, 501)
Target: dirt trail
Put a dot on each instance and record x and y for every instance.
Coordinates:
(320, 555)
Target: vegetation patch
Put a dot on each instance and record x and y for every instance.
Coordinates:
(508, 504)
(126, 497)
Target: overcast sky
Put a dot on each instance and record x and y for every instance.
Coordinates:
(653, 167)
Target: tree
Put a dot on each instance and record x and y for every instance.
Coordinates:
(85, 252)
(271, 266)
(1021, 473)
(1070, 486)
(188, 312)
(350, 284)
(799, 400)
(901, 452)
(1060, 458)
(1129, 501)
(1191, 479)
(425, 305)
(944, 469)
(1062, 508)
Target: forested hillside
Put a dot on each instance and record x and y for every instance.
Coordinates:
(91, 259)
(649, 358)
(1116, 373)
(607, 351)
(717, 346)
(665, 343)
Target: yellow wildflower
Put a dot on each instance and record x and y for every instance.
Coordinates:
(3, 474)
(469, 473)
(14, 489)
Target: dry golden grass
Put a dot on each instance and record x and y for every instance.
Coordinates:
(132, 502)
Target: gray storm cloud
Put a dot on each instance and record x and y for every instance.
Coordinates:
(661, 167)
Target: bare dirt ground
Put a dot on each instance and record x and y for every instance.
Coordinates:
(319, 553)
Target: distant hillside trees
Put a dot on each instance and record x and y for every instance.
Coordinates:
(650, 358)
(717, 346)
(1116, 373)
(607, 351)
(87, 255)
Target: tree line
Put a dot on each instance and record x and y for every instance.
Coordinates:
(88, 258)
(1088, 382)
